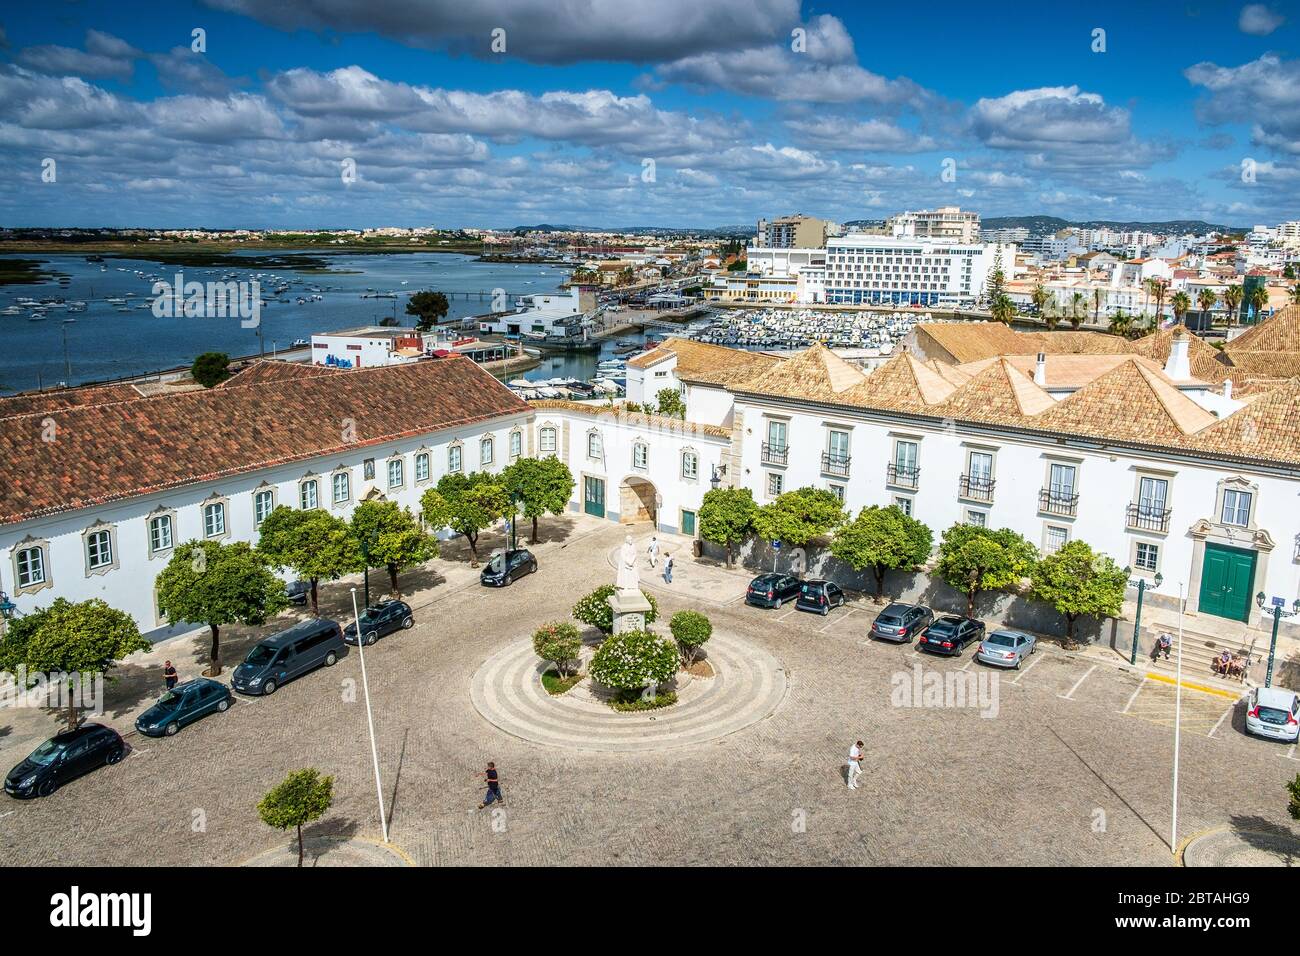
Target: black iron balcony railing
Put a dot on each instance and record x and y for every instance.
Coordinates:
(837, 465)
(1057, 502)
(775, 454)
(1148, 518)
(903, 476)
(977, 487)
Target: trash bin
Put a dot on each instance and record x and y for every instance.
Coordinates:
(697, 547)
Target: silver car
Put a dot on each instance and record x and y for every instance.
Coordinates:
(1006, 648)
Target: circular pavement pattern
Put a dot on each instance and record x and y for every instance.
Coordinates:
(1232, 847)
(749, 684)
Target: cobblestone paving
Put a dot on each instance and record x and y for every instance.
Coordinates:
(1060, 775)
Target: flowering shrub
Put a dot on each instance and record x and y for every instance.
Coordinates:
(690, 630)
(594, 609)
(559, 643)
(634, 659)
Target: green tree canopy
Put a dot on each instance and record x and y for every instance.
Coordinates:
(691, 630)
(727, 517)
(73, 642)
(799, 516)
(391, 537)
(543, 485)
(974, 559)
(882, 539)
(670, 403)
(210, 583)
(560, 643)
(467, 504)
(313, 543)
(211, 368)
(428, 307)
(1078, 581)
(594, 609)
(300, 798)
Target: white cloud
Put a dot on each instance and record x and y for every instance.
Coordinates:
(1265, 91)
(1258, 20)
(105, 57)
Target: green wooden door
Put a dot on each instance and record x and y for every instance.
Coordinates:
(593, 496)
(1227, 581)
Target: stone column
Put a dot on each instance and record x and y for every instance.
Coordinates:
(630, 609)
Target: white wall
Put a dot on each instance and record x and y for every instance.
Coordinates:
(129, 585)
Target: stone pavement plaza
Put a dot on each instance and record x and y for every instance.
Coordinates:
(1065, 762)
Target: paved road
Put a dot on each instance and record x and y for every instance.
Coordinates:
(1074, 768)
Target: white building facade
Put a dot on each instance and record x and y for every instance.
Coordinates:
(885, 270)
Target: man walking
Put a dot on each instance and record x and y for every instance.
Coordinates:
(668, 568)
(653, 550)
(169, 674)
(855, 764)
(493, 794)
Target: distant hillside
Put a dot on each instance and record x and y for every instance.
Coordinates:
(1043, 225)
(723, 231)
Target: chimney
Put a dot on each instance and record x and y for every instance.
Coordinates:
(1177, 365)
(1227, 388)
(1040, 370)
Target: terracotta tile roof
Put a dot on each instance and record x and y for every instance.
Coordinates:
(973, 341)
(271, 370)
(1069, 371)
(815, 373)
(1205, 360)
(1130, 403)
(705, 363)
(1278, 333)
(114, 451)
(617, 413)
(1283, 365)
(1000, 395)
(1267, 428)
(903, 383)
(31, 402)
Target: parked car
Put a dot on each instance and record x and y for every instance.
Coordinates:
(62, 758)
(1006, 648)
(298, 591)
(507, 566)
(772, 590)
(819, 596)
(380, 619)
(183, 704)
(901, 622)
(950, 634)
(1273, 712)
(288, 654)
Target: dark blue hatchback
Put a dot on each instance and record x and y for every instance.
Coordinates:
(183, 704)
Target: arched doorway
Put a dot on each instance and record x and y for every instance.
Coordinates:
(638, 501)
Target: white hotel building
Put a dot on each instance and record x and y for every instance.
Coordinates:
(886, 270)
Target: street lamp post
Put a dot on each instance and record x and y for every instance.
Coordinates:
(514, 520)
(1141, 585)
(7, 609)
(1279, 611)
(370, 720)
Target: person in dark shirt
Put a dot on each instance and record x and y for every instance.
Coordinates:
(169, 674)
(493, 786)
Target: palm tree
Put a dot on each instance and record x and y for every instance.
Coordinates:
(1075, 301)
(1003, 309)
(1232, 301)
(1157, 289)
(1258, 299)
(1182, 304)
(1039, 297)
(1096, 303)
(1295, 293)
(1121, 324)
(1206, 299)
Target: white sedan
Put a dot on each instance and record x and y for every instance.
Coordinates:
(1006, 648)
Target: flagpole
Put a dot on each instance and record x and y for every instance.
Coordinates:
(1178, 716)
(370, 720)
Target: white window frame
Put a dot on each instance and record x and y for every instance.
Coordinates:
(595, 446)
(516, 444)
(690, 458)
(1237, 495)
(640, 456)
(542, 434)
(458, 465)
(971, 513)
(257, 496)
(154, 519)
(209, 509)
(779, 479)
(1141, 569)
(346, 477)
(41, 549)
(487, 449)
(1048, 528)
(400, 463)
(96, 540)
(303, 485)
(423, 474)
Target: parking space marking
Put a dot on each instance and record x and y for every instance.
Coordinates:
(1231, 708)
(967, 665)
(1142, 684)
(1290, 753)
(831, 623)
(787, 613)
(1032, 665)
(1077, 684)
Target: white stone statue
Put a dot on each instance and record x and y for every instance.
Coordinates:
(629, 578)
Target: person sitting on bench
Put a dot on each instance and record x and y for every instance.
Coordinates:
(1221, 663)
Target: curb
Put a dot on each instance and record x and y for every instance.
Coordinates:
(1204, 689)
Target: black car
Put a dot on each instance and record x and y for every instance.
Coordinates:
(950, 635)
(184, 704)
(298, 592)
(62, 758)
(901, 622)
(506, 567)
(772, 590)
(380, 619)
(820, 596)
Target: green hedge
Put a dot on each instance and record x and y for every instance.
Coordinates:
(594, 609)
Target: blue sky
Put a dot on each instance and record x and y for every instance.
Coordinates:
(327, 113)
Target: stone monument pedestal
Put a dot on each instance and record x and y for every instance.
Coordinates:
(630, 609)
